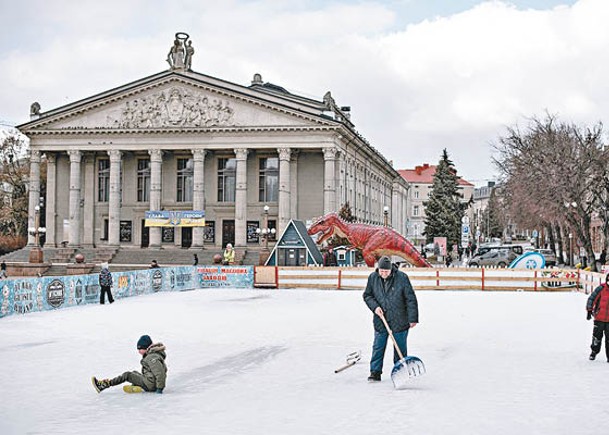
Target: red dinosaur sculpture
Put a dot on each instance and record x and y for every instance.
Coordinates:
(373, 241)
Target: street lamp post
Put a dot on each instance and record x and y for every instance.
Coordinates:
(570, 249)
(36, 253)
(265, 232)
(569, 205)
(386, 214)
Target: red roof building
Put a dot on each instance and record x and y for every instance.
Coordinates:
(420, 180)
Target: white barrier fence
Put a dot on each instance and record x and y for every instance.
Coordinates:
(430, 278)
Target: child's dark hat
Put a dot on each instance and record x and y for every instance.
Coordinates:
(144, 342)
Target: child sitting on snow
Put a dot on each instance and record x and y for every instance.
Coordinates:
(154, 370)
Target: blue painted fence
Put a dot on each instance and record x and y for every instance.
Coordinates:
(26, 295)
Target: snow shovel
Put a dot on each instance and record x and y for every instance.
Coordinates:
(405, 368)
(352, 358)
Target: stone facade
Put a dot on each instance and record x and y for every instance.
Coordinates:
(180, 140)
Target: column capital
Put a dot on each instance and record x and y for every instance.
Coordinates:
(284, 153)
(241, 153)
(330, 153)
(115, 155)
(156, 155)
(199, 154)
(75, 156)
(35, 156)
(51, 157)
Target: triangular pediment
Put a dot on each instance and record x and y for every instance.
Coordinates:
(177, 101)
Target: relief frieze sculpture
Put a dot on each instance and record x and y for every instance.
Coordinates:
(175, 107)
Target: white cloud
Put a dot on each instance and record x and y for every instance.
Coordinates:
(453, 81)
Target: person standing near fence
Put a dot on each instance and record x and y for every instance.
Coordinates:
(598, 307)
(105, 283)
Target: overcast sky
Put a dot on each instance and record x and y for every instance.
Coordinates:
(419, 75)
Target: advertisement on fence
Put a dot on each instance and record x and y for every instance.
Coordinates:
(24, 295)
(226, 276)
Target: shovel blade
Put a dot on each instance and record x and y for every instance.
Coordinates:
(405, 369)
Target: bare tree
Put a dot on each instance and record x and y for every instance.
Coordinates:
(14, 165)
(555, 172)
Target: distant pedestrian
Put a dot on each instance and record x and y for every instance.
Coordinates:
(3, 270)
(105, 282)
(330, 258)
(229, 255)
(603, 257)
(449, 259)
(195, 260)
(597, 306)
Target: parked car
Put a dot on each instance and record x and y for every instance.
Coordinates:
(516, 249)
(550, 257)
(493, 257)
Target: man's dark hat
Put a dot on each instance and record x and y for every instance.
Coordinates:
(385, 263)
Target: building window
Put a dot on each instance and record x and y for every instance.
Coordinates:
(103, 180)
(168, 235)
(268, 179)
(105, 230)
(416, 229)
(143, 180)
(126, 231)
(227, 169)
(210, 232)
(185, 180)
(416, 194)
(415, 210)
(272, 225)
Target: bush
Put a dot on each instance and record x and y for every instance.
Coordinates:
(11, 243)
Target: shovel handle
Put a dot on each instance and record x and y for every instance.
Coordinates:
(395, 343)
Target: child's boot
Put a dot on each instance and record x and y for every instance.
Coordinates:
(100, 385)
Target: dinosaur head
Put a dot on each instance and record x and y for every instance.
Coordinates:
(324, 225)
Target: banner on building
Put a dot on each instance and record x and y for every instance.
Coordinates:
(164, 218)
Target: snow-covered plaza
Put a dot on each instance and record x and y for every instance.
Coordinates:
(262, 362)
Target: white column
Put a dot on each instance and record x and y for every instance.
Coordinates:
(241, 198)
(198, 196)
(74, 206)
(114, 198)
(294, 184)
(89, 199)
(51, 208)
(284, 189)
(329, 179)
(396, 207)
(156, 160)
(34, 196)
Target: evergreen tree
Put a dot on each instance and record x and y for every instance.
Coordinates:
(445, 209)
(345, 214)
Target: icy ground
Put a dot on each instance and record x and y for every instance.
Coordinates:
(262, 362)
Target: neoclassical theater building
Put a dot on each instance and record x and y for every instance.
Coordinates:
(180, 140)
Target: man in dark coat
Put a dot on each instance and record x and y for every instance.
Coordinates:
(389, 293)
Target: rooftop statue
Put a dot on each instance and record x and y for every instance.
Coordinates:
(181, 52)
